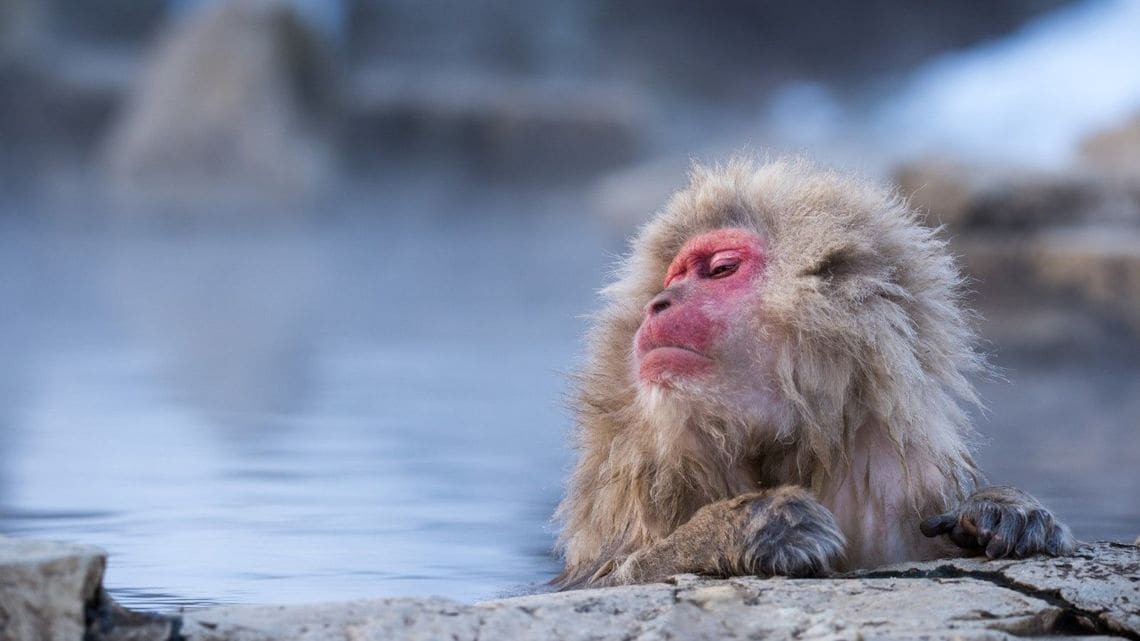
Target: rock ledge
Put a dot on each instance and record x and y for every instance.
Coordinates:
(1095, 593)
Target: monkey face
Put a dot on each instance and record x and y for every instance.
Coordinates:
(692, 328)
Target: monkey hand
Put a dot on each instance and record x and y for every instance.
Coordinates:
(784, 531)
(788, 533)
(1003, 522)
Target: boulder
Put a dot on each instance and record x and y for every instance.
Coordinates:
(1055, 288)
(1005, 199)
(1099, 264)
(491, 125)
(1115, 151)
(231, 104)
(1054, 255)
(53, 592)
(45, 588)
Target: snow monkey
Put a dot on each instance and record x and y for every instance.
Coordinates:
(777, 385)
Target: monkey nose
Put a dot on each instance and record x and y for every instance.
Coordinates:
(659, 303)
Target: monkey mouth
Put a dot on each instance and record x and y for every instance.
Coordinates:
(661, 363)
(670, 349)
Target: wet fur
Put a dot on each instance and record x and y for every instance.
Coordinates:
(868, 346)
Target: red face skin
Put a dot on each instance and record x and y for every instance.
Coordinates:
(710, 283)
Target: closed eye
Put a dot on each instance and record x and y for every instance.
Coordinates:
(723, 263)
(723, 269)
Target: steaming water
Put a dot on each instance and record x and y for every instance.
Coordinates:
(372, 409)
(368, 408)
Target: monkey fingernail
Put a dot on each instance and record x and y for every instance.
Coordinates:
(998, 548)
(936, 525)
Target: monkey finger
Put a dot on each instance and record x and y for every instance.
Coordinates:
(1032, 540)
(1060, 540)
(964, 538)
(998, 547)
(940, 524)
(986, 520)
(1006, 534)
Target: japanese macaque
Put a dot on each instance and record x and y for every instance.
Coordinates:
(777, 386)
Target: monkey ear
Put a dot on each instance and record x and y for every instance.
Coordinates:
(852, 270)
(836, 263)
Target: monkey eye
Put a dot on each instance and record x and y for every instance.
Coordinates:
(722, 266)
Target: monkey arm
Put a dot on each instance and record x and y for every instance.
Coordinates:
(1002, 521)
(782, 531)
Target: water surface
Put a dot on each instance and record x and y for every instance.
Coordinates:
(372, 404)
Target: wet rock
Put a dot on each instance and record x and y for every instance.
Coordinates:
(108, 621)
(1057, 284)
(1116, 150)
(695, 609)
(1094, 592)
(232, 104)
(1100, 264)
(1054, 253)
(52, 592)
(491, 125)
(1005, 199)
(789, 609)
(45, 588)
(938, 187)
(1055, 288)
(359, 620)
(1098, 588)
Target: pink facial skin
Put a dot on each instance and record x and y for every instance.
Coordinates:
(710, 282)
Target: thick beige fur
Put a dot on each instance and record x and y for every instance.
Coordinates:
(868, 346)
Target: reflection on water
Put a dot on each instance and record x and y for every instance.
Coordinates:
(371, 407)
(1068, 430)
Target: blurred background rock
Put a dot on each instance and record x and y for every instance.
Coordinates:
(289, 284)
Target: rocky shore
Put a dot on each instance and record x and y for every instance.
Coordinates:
(53, 591)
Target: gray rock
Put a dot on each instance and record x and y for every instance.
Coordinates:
(1116, 150)
(52, 592)
(231, 105)
(493, 125)
(1004, 199)
(1056, 282)
(429, 618)
(1099, 264)
(1098, 587)
(1093, 593)
(45, 588)
(108, 621)
(1059, 251)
